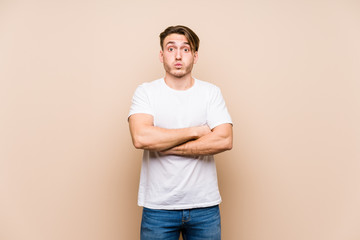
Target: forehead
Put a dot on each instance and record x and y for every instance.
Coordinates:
(176, 38)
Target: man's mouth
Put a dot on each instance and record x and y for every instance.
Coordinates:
(178, 65)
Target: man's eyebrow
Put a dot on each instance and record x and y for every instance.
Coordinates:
(172, 42)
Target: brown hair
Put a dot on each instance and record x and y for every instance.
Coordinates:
(193, 39)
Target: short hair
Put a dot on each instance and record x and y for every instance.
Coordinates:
(193, 39)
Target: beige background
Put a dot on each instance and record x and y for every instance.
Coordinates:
(289, 72)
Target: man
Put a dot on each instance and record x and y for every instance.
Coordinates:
(180, 122)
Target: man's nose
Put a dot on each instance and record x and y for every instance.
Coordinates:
(178, 55)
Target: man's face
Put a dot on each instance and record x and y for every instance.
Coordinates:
(177, 57)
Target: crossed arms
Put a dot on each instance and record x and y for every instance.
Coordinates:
(192, 141)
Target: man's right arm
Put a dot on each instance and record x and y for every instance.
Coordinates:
(146, 136)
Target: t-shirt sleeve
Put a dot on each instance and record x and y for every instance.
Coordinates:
(217, 110)
(140, 102)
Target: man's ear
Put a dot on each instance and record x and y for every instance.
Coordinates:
(161, 56)
(196, 57)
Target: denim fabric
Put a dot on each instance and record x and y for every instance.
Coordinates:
(193, 224)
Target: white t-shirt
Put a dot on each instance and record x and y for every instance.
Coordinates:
(178, 182)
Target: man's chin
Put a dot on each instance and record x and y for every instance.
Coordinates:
(178, 74)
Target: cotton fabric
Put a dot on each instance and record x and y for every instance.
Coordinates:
(177, 182)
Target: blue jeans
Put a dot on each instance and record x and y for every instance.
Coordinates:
(194, 224)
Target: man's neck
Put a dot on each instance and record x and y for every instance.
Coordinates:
(180, 84)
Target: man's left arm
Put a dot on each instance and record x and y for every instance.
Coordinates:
(220, 139)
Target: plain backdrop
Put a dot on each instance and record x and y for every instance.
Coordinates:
(289, 72)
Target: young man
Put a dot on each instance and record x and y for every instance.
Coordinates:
(180, 122)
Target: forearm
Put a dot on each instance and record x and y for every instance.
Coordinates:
(215, 142)
(159, 139)
(147, 136)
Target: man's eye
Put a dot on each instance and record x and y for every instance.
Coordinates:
(186, 49)
(171, 49)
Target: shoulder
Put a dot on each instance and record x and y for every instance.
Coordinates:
(151, 84)
(148, 87)
(207, 86)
